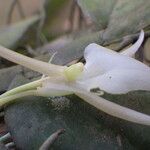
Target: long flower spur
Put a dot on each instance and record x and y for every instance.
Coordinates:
(105, 69)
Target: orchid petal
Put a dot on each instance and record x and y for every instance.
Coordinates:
(119, 81)
(134, 48)
(36, 65)
(100, 60)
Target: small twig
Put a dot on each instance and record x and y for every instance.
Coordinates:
(48, 143)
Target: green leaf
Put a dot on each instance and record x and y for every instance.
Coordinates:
(127, 17)
(119, 18)
(37, 118)
(11, 34)
(98, 10)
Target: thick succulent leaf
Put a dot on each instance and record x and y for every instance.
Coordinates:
(127, 17)
(11, 34)
(38, 118)
(119, 18)
(98, 10)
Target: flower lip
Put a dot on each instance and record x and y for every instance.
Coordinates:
(113, 72)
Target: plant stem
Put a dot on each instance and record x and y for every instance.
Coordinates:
(48, 143)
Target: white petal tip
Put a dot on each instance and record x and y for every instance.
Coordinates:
(134, 48)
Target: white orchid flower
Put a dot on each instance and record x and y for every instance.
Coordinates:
(111, 72)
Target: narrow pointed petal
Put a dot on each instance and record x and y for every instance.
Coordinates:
(134, 48)
(115, 109)
(119, 81)
(33, 64)
(100, 60)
